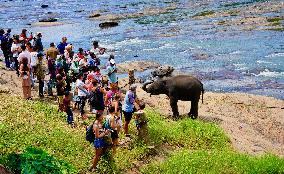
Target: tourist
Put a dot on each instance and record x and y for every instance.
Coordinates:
(34, 62)
(52, 51)
(38, 42)
(114, 126)
(25, 75)
(67, 108)
(6, 46)
(99, 142)
(40, 73)
(128, 107)
(82, 94)
(29, 47)
(97, 50)
(80, 54)
(23, 37)
(25, 53)
(60, 89)
(52, 75)
(62, 45)
(16, 49)
(111, 72)
(97, 98)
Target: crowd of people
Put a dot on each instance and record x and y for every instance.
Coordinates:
(77, 80)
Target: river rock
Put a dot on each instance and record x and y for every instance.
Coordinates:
(94, 15)
(44, 6)
(108, 24)
(48, 20)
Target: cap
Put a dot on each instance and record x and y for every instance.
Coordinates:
(112, 61)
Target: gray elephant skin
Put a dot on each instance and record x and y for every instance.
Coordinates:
(181, 87)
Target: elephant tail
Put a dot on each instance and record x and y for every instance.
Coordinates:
(202, 92)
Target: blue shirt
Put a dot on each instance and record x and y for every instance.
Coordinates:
(111, 74)
(61, 47)
(129, 102)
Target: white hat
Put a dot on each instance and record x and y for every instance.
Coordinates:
(112, 61)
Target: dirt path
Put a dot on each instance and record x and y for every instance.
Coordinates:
(254, 124)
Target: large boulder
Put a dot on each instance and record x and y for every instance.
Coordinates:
(44, 6)
(108, 24)
(48, 20)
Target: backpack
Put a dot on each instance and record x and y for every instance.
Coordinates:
(90, 136)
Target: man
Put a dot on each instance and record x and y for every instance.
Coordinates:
(98, 51)
(24, 53)
(52, 52)
(62, 45)
(6, 46)
(23, 36)
(128, 106)
(82, 94)
(38, 42)
(111, 72)
(16, 49)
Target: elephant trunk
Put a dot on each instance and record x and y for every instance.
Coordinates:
(144, 87)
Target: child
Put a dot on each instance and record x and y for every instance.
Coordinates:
(141, 123)
(60, 86)
(67, 108)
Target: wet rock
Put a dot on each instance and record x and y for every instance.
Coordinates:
(163, 71)
(95, 15)
(49, 12)
(200, 56)
(44, 6)
(78, 11)
(108, 24)
(48, 20)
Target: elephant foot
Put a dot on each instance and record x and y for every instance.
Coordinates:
(192, 116)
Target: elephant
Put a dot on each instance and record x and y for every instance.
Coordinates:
(180, 87)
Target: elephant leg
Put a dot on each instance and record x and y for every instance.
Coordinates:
(174, 107)
(193, 113)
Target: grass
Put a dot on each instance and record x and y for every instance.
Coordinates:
(204, 13)
(199, 147)
(280, 29)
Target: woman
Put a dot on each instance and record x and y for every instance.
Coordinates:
(99, 143)
(117, 108)
(97, 97)
(114, 126)
(26, 81)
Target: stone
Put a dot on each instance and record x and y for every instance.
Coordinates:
(108, 24)
(48, 20)
(163, 71)
(95, 15)
(44, 6)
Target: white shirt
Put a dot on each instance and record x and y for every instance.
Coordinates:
(15, 48)
(33, 58)
(81, 90)
(26, 54)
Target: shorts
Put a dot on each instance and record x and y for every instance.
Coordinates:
(99, 143)
(60, 99)
(114, 134)
(127, 115)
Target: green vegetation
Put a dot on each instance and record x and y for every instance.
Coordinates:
(204, 13)
(35, 160)
(220, 161)
(277, 29)
(194, 145)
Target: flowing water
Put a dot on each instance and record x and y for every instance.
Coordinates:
(225, 60)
